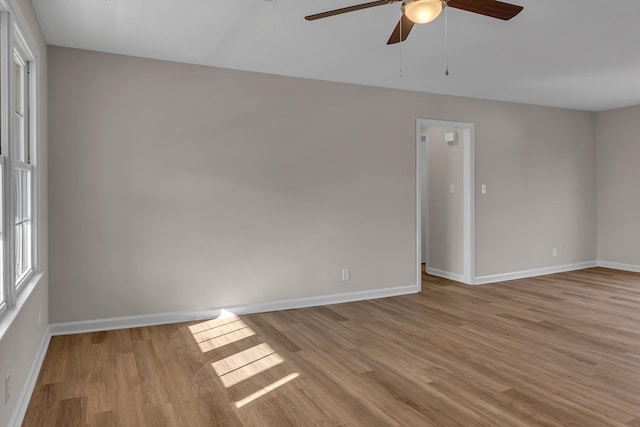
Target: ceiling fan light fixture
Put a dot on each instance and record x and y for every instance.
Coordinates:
(422, 11)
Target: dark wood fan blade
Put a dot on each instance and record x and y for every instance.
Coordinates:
(401, 31)
(492, 8)
(348, 9)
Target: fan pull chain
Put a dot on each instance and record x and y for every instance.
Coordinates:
(446, 38)
(401, 64)
(400, 47)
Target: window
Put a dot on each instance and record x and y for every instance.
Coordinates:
(18, 166)
(23, 170)
(3, 292)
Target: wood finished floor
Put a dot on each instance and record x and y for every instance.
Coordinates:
(559, 350)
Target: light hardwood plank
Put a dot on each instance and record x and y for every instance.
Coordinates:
(556, 350)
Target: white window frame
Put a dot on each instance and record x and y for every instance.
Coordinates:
(12, 39)
(5, 101)
(23, 55)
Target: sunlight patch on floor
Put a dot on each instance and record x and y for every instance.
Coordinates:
(240, 403)
(223, 335)
(251, 369)
(242, 358)
(212, 324)
(243, 365)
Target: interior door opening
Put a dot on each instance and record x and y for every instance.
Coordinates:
(445, 194)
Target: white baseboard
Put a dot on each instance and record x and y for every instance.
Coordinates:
(446, 274)
(27, 390)
(483, 280)
(189, 316)
(619, 266)
(124, 322)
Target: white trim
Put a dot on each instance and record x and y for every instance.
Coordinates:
(423, 153)
(187, 316)
(469, 171)
(493, 278)
(23, 166)
(24, 279)
(469, 180)
(11, 313)
(27, 390)
(446, 275)
(34, 139)
(619, 266)
(7, 171)
(126, 322)
(419, 155)
(17, 43)
(21, 23)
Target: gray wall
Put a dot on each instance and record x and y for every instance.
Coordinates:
(618, 136)
(178, 187)
(21, 340)
(446, 210)
(539, 168)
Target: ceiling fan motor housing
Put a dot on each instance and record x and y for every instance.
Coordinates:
(422, 11)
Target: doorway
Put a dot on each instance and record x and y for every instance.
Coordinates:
(445, 195)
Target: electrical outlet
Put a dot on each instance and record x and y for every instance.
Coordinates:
(346, 273)
(554, 252)
(7, 388)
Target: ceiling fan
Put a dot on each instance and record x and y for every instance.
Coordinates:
(424, 11)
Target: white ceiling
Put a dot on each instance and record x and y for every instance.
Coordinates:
(582, 54)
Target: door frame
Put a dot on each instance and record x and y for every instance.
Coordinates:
(469, 185)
